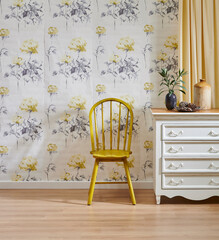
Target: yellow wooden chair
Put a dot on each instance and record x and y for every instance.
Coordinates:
(110, 155)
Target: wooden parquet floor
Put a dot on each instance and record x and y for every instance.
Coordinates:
(63, 214)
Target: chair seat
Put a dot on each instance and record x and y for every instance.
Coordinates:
(110, 153)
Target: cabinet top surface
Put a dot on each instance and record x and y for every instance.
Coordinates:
(164, 111)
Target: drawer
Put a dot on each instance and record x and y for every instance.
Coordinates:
(190, 131)
(170, 165)
(183, 149)
(189, 182)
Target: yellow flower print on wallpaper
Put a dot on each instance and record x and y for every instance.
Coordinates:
(24, 128)
(28, 164)
(77, 103)
(115, 117)
(114, 2)
(17, 178)
(148, 28)
(100, 88)
(148, 145)
(126, 44)
(4, 91)
(100, 30)
(66, 117)
(29, 105)
(18, 3)
(78, 45)
(66, 58)
(77, 161)
(129, 99)
(78, 67)
(52, 31)
(3, 150)
(172, 42)
(18, 61)
(162, 1)
(18, 119)
(4, 32)
(148, 87)
(130, 162)
(30, 46)
(66, 2)
(52, 89)
(124, 68)
(168, 60)
(28, 69)
(76, 125)
(114, 58)
(162, 56)
(66, 177)
(52, 147)
(114, 175)
(75, 67)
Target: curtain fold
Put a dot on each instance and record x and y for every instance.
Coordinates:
(199, 45)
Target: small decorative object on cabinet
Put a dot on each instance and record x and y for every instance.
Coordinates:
(170, 84)
(187, 107)
(186, 154)
(202, 94)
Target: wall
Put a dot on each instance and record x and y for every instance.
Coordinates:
(57, 59)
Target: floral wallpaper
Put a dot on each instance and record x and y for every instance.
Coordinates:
(59, 57)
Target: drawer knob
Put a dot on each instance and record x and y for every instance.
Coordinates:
(212, 150)
(173, 166)
(173, 150)
(213, 134)
(173, 134)
(212, 166)
(212, 182)
(174, 183)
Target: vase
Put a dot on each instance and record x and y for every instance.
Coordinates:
(202, 94)
(170, 101)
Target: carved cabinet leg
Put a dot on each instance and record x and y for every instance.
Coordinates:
(158, 197)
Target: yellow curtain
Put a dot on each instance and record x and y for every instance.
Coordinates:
(199, 45)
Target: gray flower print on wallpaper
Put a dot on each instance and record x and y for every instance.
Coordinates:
(123, 10)
(28, 12)
(74, 11)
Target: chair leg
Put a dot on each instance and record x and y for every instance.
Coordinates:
(131, 191)
(93, 181)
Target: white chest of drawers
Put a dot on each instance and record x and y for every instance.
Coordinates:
(186, 154)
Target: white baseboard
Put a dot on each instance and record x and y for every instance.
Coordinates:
(71, 185)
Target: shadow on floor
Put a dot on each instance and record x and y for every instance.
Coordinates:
(182, 200)
(79, 196)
